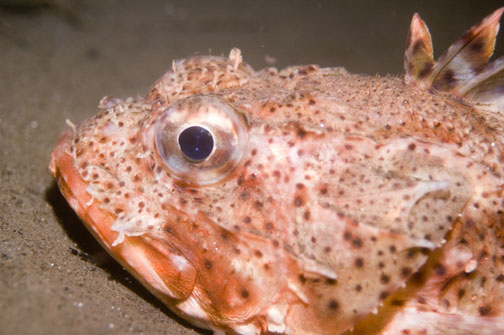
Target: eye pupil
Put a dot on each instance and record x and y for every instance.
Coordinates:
(196, 143)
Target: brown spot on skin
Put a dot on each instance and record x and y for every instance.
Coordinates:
(359, 262)
(482, 255)
(327, 250)
(412, 146)
(301, 133)
(358, 287)
(244, 195)
(483, 281)
(460, 293)
(357, 242)
(347, 235)
(384, 279)
(333, 305)
(244, 293)
(307, 215)
(330, 281)
(439, 269)
(298, 201)
(208, 264)
(257, 253)
(302, 278)
(405, 271)
(169, 230)
(384, 295)
(411, 253)
(484, 310)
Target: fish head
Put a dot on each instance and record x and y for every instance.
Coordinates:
(292, 201)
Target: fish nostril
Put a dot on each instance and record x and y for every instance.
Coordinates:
(196, 143)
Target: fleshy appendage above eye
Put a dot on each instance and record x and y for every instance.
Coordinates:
(200, 139)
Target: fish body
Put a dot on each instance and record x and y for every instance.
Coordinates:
(307, 200)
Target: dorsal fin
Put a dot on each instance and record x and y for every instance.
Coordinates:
(418, 57)
(463, 69)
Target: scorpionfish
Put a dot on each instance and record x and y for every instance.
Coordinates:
(307, 200)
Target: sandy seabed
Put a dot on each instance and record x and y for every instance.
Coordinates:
(57, 61)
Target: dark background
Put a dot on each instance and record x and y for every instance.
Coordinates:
(58, 58)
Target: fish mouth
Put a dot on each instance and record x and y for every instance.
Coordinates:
(146, 259)
(73, 188)
(96, 220)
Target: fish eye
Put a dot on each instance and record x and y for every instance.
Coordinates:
(196, 143)
(200, 139)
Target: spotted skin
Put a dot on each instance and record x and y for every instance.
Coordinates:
(332, 203)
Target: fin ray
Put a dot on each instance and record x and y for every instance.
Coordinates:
(468, 54)
(419, 56)
(487, 88)
(463, 70)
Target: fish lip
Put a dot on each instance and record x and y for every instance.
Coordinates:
(131, 252)
(73, 188)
